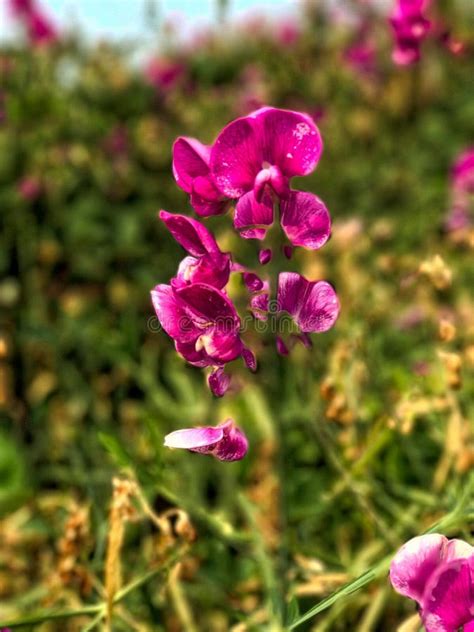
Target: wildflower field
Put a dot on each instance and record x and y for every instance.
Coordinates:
(237, 324)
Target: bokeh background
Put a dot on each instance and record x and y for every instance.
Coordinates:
(356, 445)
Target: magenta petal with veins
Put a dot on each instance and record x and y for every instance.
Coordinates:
(313, 305)
(263, 151)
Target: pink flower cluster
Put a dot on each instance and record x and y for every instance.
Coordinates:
(438, 574)
(39, 27)
(249, 167)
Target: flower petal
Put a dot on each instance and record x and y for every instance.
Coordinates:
(253, 218)
(193, 356)
(190, 160)
(193, 438)
(313, 304)
(448, 601)
(249, 359)
(209, 305)
(192, 235)
(172, 314)
(219, 382)
(225, 442)
(252, 281)
(265, 256)
(305, 220)
(415, 562)
(236, 157)
(290, 139)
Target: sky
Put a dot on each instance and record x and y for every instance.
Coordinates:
(126, 18)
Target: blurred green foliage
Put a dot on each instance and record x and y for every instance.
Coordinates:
(356, 445)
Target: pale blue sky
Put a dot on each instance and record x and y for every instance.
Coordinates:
(119, 18)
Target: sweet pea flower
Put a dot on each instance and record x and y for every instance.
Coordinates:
(410, 27)
(304, 218)
(313, 305)
(207, 264)
(192, 174)
(263, 151)
(225, 442)
(202, 321)
(204, 325)
(438, 574)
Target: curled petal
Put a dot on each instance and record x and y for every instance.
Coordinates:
(193, 236)
(313, 305)
(259, 306)
(206, 199)
(219, 382)
(282, 349)
(213, 271)
(190, 160)
(172, 313)
(252, 219)
(195, 357)
(225, 442)
(271, 176)
(305, 220)
(249, 359)
(220, 345)
(448, 600)
(265, 256)
(209, 305)
(252, 281)
(414, 564)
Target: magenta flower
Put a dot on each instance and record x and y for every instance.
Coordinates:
(225, 442)
(410, 27)
(303, 216)
(263, 151)
(438, 574)
(207, 264)
(192, 174)
(313, 305)
(202, 321)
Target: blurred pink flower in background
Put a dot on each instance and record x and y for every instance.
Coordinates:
(164, 74)
(29, 188)
(38, 25)
(287, 32)
(410, 27)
